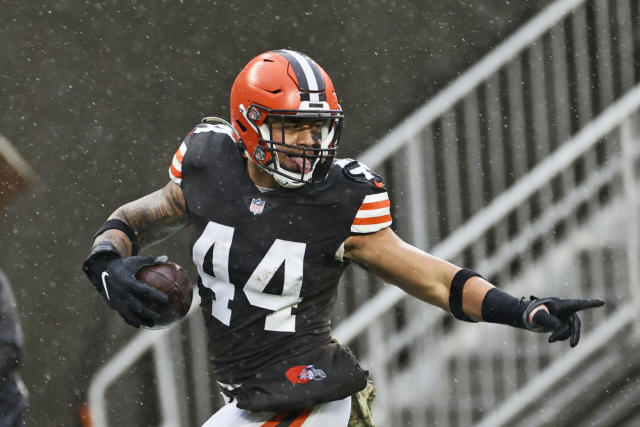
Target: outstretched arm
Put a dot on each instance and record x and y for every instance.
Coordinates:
(416, 272)
(444, 284)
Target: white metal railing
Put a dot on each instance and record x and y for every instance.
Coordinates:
(375, 314)
(461, 87)
(500, 119)
(561, 367)
(488, 169)
(492, 130)
(498, 209)
(165, 356)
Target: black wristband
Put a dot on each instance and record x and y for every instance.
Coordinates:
(455, 293)
(101, 254)
(500, 307)
(116, 224)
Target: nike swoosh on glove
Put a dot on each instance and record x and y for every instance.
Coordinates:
(114, 278)
(126, 294)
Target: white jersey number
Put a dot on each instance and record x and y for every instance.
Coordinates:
(217, 238)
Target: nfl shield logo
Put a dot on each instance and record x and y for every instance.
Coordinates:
(257, 206)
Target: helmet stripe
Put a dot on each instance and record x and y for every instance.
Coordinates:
(310, 68)
(297, 68)
(308, 74)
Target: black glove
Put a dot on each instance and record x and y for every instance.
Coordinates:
(562, 319)
(115, 279)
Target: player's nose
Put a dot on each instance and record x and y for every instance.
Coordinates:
(305, 138)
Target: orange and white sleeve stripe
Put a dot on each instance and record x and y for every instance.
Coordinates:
(175, 170)
(374, 214)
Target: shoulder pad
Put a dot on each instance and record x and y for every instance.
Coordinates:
(222, 122)
(217, 128)
(359, 172)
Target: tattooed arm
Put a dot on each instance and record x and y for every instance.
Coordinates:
(152, 217)
(111, 268)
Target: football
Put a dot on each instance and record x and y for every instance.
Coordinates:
(171, 279)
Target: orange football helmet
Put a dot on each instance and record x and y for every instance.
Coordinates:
(286, 86)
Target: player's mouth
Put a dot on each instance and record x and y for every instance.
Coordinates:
(296, 164)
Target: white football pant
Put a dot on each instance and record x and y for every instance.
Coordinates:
(333, 414)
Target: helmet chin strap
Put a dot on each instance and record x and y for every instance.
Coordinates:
(286, 182)
(281, 180)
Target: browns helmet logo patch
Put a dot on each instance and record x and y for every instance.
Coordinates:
(304, 374)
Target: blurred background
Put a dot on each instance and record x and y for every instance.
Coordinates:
(97, 96)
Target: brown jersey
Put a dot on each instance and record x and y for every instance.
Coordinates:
(268, 262)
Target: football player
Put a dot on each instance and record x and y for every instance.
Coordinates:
(276, 219)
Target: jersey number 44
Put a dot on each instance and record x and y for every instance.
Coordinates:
(218, 239)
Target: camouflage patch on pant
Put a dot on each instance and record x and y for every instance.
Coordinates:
(361, 407)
